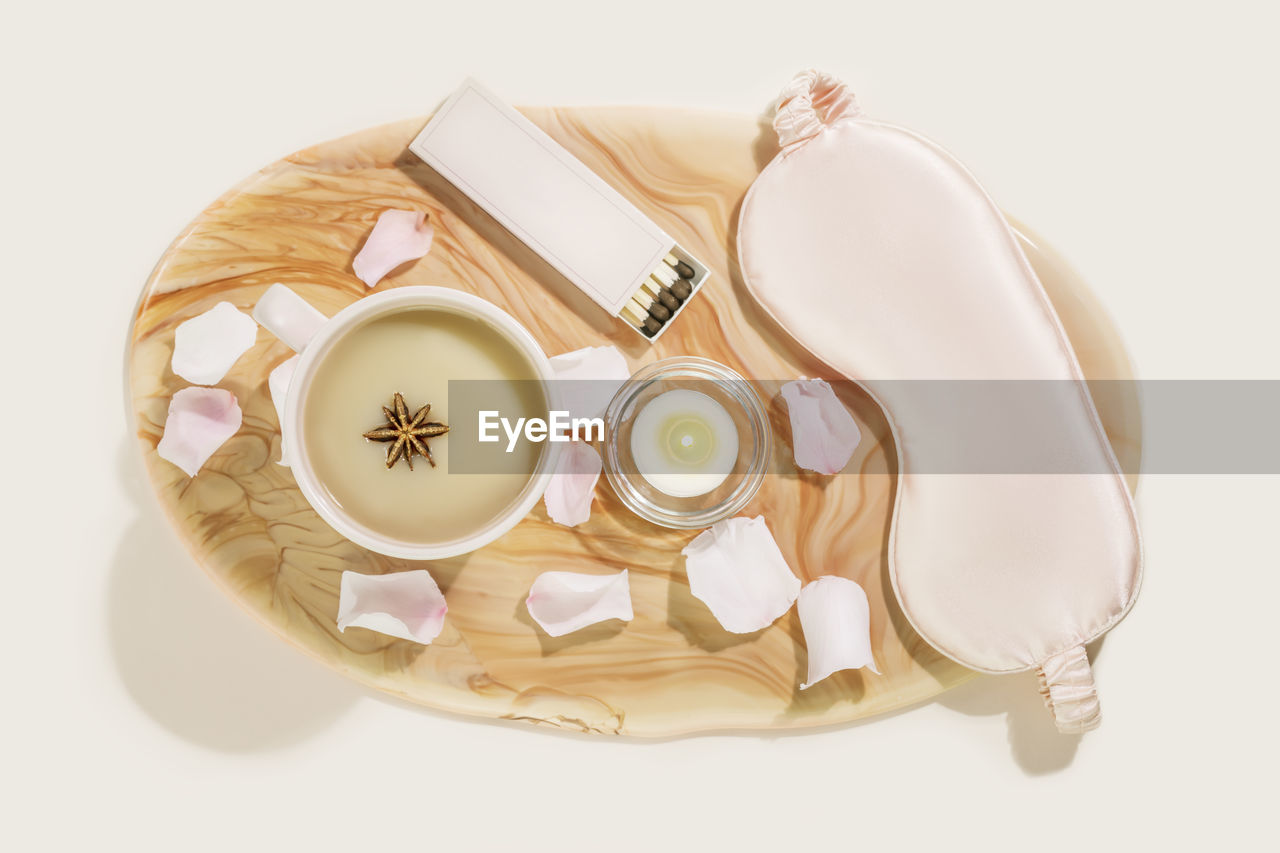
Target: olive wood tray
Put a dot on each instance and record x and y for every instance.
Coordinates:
(672, 669)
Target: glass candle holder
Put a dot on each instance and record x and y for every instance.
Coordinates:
(655, 462)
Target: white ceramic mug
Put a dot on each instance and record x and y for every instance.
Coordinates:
(310, 333)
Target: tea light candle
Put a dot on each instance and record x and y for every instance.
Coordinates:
(684, 443)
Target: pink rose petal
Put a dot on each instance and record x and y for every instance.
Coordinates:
(408, 605)
(823, 433)
(573, 485)
(200, 421)
(397, 237)
(836, 620)
(563, 602)
(737, 570)
(205, 347)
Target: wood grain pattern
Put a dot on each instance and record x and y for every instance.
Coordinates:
(671, 670)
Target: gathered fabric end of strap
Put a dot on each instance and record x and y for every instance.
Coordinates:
(811, 101)
(1066, 684)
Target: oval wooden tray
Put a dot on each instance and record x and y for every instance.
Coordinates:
(671, 670)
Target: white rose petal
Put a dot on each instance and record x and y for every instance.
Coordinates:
(401, 604)
(591, 376)
(563, 602)
(573, 485)
(836, 620)
(200, 421)
(278, 384)
(737, 570)
(397, 237)
(205, 347)
(823, 433)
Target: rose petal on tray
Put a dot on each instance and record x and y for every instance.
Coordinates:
(573, 485)
(823, 433)
(200, 420)
(408, 605)
(591, 376)
(205, 347)
(564, 602)
(278, 385)
(737, 570)
(836, 619)
(398, 236)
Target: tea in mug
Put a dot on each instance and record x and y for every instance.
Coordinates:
(415, 352)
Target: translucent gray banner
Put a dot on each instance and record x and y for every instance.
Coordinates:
(1212, 427)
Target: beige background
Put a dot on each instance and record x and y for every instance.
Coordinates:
(1139, 139)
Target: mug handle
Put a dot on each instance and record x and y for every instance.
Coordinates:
(288, 316)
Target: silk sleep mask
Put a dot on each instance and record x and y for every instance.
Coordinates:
(881, 255)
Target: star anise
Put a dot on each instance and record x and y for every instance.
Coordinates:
(408, 434)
